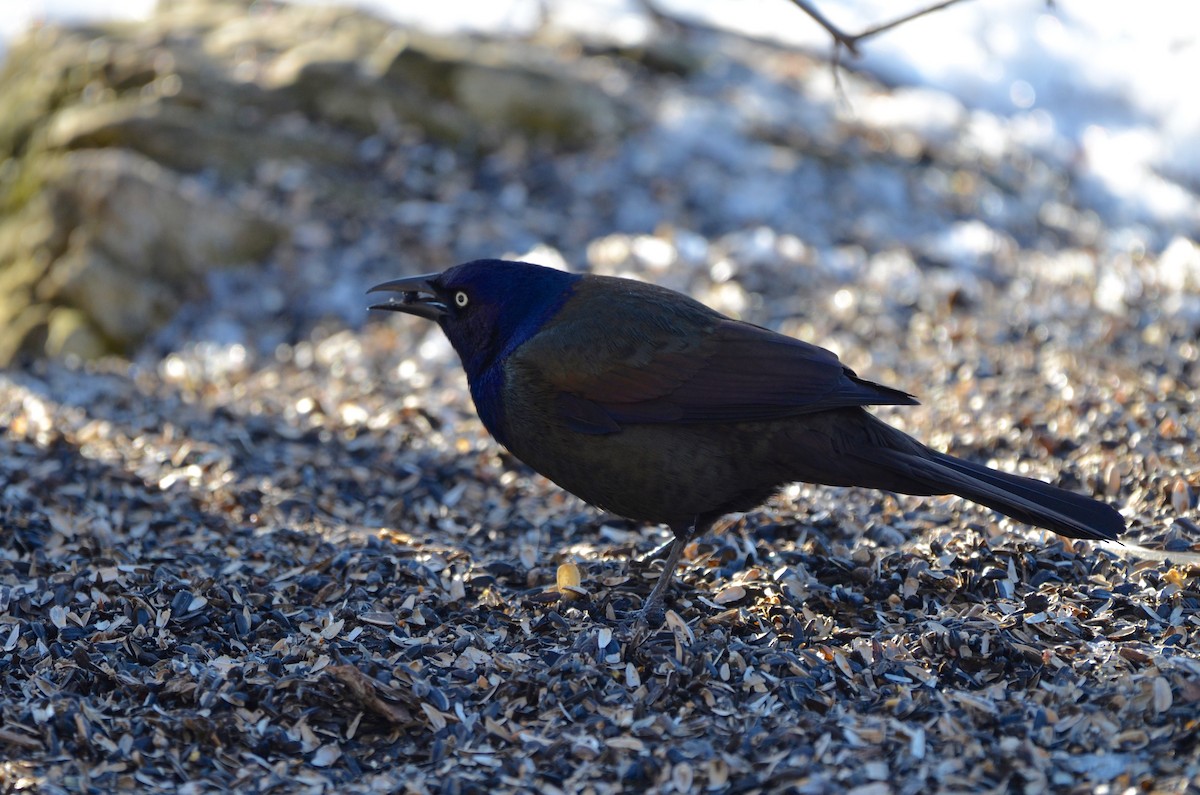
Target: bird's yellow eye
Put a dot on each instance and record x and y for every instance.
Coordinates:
(460, 299)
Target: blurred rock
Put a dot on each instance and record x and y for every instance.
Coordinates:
(108, 248)
(365, 75)
(103, 238)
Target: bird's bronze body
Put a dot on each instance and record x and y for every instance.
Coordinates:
(648, 404)
(650, 471)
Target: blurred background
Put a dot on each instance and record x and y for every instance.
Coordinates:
(223, 485)
(237, 172)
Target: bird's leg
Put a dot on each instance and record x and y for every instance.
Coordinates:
(656, 553)
(683, 534)
(654, 602)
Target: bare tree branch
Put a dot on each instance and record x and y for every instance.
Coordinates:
(897, 22)
(851, 41)
(845, 40)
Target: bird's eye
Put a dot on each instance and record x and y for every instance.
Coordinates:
(460, 299)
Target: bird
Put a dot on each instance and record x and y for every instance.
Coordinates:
(644, 402)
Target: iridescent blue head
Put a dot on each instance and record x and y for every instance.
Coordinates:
(487, 308)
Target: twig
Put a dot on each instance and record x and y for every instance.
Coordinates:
(839, 36)
(369, 693)
(896, 22)
(851, 41)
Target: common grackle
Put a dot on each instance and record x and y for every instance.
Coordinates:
(647, 403)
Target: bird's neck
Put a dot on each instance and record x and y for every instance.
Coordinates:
(485, 364)
(486, 390)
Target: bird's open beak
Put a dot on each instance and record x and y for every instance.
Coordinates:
(417, 296)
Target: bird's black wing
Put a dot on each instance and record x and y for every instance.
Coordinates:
(695, 367)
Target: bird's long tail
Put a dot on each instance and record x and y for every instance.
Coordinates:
(1023, 499)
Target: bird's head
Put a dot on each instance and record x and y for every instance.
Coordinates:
(486, 307)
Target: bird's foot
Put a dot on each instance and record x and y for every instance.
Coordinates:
(652, 614)
(646, 621)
